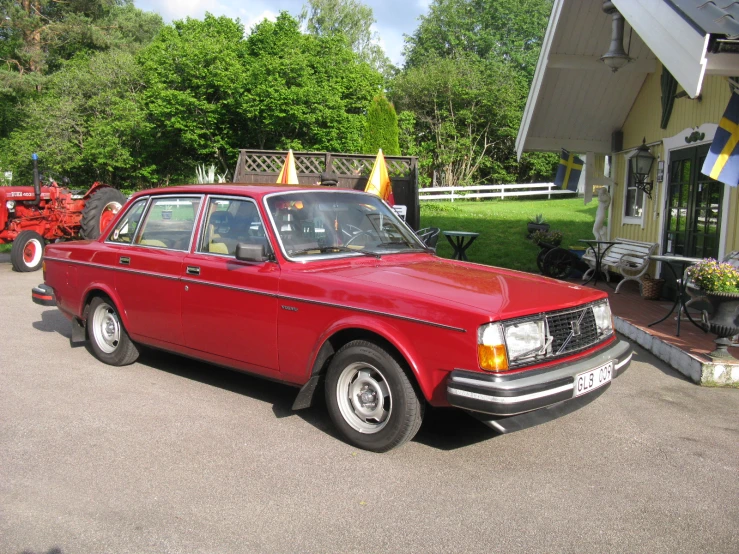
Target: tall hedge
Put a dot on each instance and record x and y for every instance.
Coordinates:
(381, 130)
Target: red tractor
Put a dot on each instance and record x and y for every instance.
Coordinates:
(30, 217)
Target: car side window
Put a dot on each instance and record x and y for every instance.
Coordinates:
(169, 223)
(228, 222)
(126, 228)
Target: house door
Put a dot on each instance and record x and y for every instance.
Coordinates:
(693, 222)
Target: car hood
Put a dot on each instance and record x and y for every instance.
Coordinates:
(491, 290)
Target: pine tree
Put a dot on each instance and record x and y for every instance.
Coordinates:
(381, 130)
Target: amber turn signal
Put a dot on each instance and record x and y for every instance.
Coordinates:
(492, 358)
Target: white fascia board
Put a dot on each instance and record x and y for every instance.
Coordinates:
(541, 66)
(554, 144)
(722, 64)
(677, 44)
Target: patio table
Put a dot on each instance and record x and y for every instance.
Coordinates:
(595, 246)
(681, 296)
(460, 241)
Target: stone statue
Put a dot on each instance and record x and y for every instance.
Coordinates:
(599, 228)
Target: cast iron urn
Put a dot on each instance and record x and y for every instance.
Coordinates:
(722, 321)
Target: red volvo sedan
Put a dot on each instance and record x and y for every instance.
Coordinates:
(322, 286)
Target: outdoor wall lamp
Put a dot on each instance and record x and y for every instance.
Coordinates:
(616, 57)
(641, 168)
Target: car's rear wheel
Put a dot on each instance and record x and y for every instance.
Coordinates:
(371, 399)
(108, 338)
(27, 251)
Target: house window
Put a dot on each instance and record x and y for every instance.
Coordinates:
(633, 198)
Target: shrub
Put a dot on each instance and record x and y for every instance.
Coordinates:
(713, 276)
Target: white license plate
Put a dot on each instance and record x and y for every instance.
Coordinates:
(591, 380)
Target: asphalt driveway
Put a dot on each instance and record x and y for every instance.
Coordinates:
(172, 455)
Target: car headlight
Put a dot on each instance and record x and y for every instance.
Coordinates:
(10, 204)
(525, 339)
(603, 319)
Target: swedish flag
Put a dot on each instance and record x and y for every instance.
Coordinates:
(722, 162)
(568, 172)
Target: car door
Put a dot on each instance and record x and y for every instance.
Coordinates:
(229, 307)
(150, 251)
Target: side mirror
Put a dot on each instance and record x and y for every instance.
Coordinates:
(251, 252)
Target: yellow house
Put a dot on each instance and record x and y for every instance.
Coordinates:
(674, 61)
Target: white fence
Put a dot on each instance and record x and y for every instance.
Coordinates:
(490, 191)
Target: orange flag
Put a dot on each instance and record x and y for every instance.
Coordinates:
(288, 175)
(379, 180)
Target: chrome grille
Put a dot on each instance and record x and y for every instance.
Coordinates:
(559, 330)
(572, 331)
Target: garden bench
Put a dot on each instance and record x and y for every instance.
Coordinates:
(628, 257)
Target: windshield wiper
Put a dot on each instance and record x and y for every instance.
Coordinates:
(392, 243)
(326, 249)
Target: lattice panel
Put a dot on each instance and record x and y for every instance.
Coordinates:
(363, 166)
(263, 163)
(351, 166)
(310, 164)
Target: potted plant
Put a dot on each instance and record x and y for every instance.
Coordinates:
(549, 238)
(537, 223)
(718, 284)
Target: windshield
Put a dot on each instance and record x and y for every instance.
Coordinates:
(321, 223)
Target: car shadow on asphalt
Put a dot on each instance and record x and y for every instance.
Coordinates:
(443, 429)
(52, 321)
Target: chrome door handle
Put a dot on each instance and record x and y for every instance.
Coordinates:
(193, 270)
(125, 260)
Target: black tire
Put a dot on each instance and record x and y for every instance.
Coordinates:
(100, 207)
(27, 251)
(108, 338)
(540, 260)
(365, 367)
(558, 263)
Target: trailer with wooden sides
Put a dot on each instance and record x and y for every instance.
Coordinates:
(332, 169)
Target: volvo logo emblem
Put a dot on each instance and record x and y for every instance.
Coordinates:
(575, 324)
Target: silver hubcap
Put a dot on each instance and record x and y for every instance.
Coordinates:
(106, 328)
(364, 398)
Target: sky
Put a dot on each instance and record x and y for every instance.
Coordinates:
(394, 17)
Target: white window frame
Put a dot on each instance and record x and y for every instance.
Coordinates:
(625, 219)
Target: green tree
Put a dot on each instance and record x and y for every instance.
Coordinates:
(466, 115)
(195, 74)
(89, 124)
(381, 130)
(305, 91)
(468, 68)
(352, 19)
(510, 30)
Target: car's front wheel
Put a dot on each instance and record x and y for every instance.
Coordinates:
(371, 399)
(108, 338)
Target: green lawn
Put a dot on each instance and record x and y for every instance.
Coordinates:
(502, 227)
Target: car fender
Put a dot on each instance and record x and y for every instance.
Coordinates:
(110, 292)
(389, 332)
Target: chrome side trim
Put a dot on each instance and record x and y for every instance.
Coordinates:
(510, 399)
(253, 291)
(374, 312)
(228, 287)
(115, 268)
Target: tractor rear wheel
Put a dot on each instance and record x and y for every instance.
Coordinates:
(27, 251)
(99, 211)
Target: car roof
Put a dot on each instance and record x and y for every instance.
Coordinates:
(256, 190)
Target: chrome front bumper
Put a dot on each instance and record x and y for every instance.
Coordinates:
(493, 397)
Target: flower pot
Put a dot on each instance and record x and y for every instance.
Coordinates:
(533, 227)
(722, 321)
